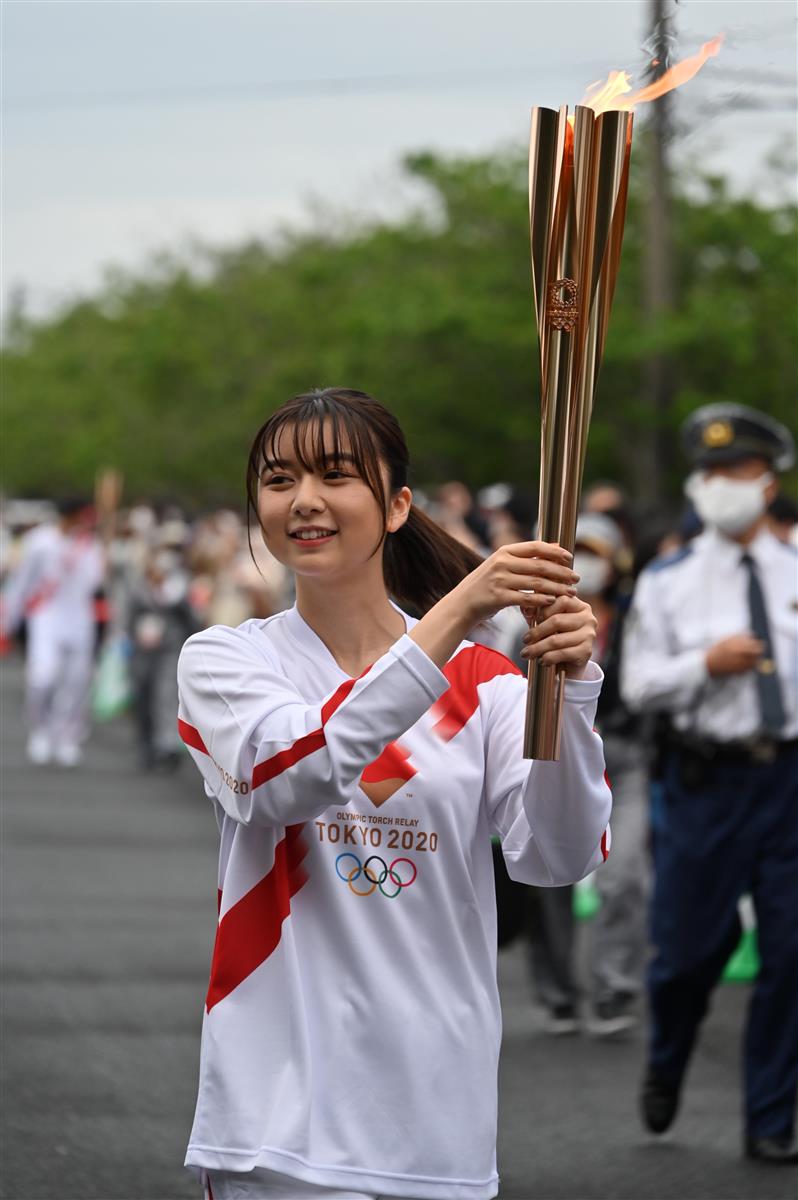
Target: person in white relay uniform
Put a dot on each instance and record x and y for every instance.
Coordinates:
(358, 761)
(53, 590)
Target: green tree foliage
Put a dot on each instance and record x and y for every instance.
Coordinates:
(167, 375)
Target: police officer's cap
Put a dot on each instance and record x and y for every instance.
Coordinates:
(725, 433)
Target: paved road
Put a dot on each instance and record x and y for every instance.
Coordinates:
(108, 911)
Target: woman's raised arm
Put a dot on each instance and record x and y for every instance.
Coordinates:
(268, 756)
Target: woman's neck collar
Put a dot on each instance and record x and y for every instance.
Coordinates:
(354, 619)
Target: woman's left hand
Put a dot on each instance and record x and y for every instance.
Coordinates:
(565, 637)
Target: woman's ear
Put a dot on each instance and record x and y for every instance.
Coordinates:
(398, 509)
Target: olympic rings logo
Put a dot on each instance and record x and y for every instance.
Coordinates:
(387, 878)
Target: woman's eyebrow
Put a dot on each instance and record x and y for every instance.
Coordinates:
(339, 458)
(271, 464)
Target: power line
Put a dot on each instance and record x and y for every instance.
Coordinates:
(322, 88)
(342, 85)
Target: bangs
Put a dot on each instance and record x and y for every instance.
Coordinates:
(322, 432)
(316, 440)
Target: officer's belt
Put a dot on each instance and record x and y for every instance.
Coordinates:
(758, 749)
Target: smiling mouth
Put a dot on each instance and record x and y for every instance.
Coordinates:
(312, 535)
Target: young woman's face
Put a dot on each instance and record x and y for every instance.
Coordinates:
(323, 521)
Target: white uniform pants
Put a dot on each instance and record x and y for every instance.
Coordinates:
(58, 678)
(270, 1185)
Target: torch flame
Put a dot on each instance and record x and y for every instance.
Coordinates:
(603, 96)
(616, 93)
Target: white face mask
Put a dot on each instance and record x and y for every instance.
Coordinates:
(731, 505)
(594, 573)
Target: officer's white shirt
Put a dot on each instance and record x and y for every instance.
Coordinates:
(686, 602)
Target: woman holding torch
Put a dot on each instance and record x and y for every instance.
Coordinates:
(358, 761)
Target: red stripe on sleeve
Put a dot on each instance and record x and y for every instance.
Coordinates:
(302, 747)
(337, 699)
(605, 850)
(191, 736)
(250, 931)
(469, 668)
(270, 767)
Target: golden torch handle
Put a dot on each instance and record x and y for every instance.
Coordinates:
(543, 725)
(578, 177)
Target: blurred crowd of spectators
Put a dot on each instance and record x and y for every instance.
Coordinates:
(167, 575)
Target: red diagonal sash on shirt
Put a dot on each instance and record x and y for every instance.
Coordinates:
(69, 559)
(250, 931)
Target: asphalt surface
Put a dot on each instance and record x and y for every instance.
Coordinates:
(108, 909)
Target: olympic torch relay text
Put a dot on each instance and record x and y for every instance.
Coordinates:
(375, 819)
(360, 832)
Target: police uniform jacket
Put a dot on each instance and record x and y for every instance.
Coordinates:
(686, 602)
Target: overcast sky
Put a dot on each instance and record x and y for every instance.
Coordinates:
(130, 126)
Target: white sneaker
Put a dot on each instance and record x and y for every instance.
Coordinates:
(611, 1018)
(39, 749)
(67, 755)
(561, 1021)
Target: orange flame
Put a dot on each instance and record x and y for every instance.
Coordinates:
(616, 93)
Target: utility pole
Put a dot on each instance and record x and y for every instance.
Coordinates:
(656, 449)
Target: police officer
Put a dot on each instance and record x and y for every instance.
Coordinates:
(712, 640)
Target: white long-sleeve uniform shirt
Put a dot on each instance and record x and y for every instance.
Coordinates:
(352, 1023)
(686, 602)
(53, 586)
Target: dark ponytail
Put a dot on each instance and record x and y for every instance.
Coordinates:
(421, 562)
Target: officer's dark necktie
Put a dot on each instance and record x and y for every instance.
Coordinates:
(767, 681)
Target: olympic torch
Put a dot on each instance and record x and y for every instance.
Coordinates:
(578, 180)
